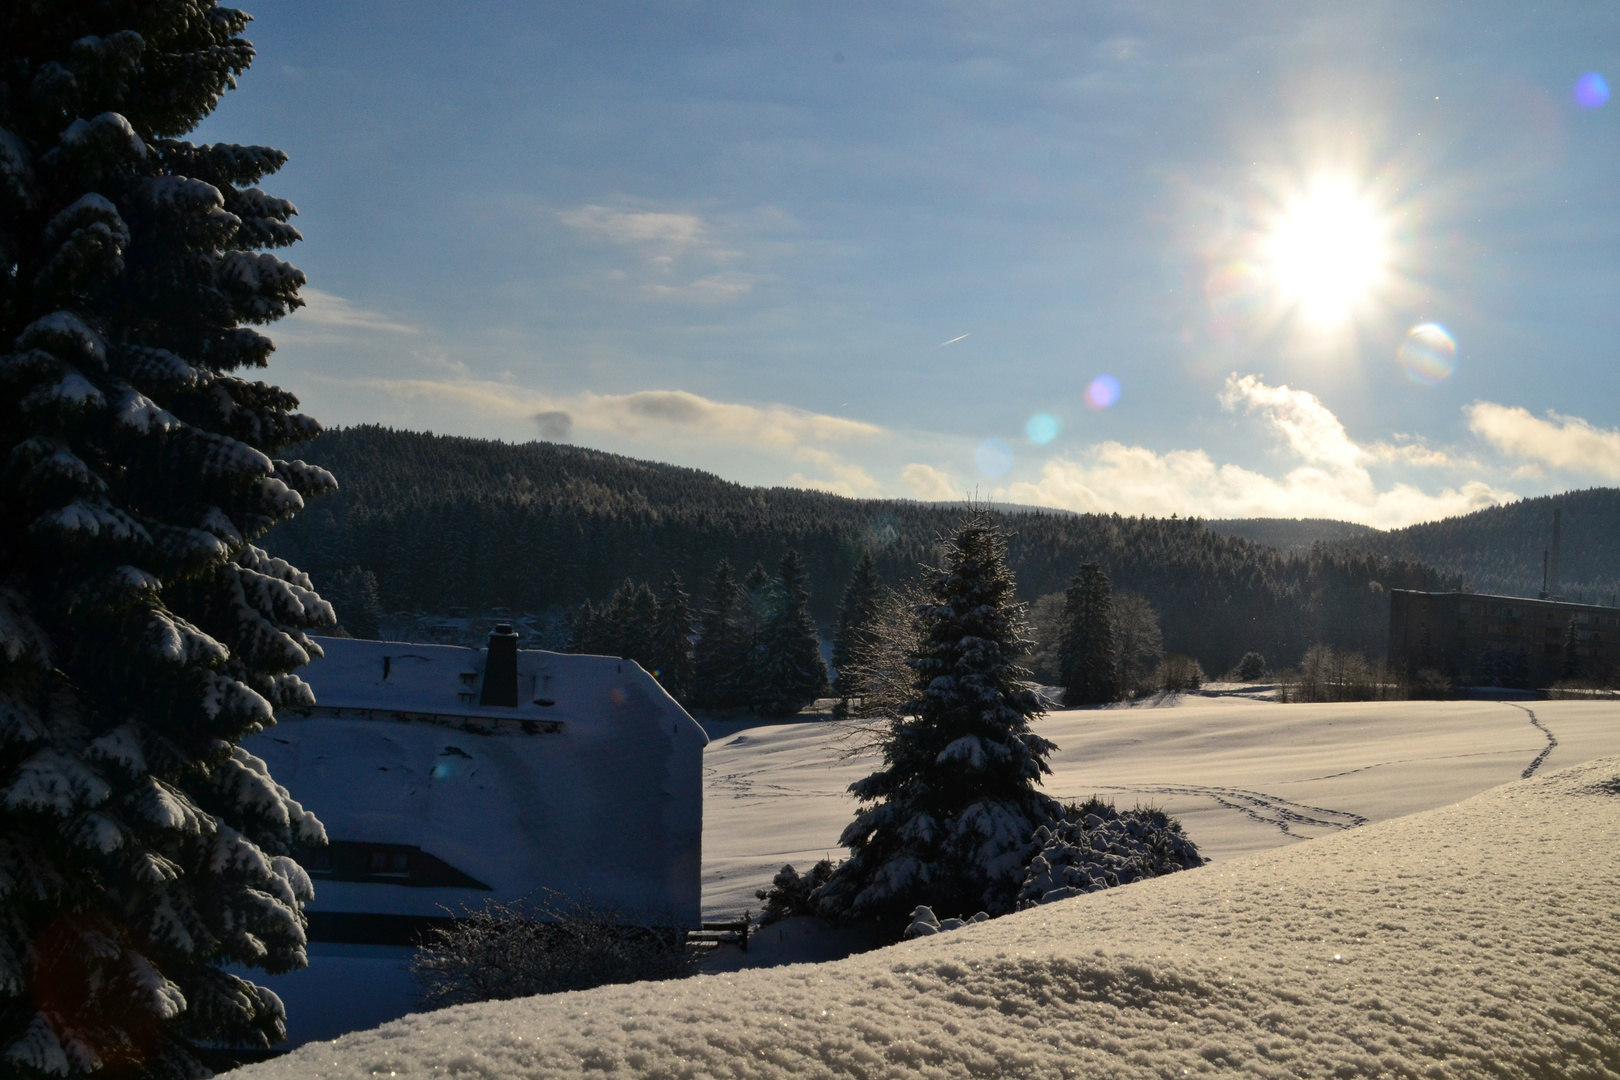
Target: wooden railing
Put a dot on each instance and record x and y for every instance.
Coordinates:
(714, 934)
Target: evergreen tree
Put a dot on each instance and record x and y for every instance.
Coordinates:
(948, 820)
(672, 640)
(761, 597)
(353, 594)
(584, 636)
(721, 655)
(855, 615)
(791, 673)
(616, 620)
(1086, 654)
(143, 635)
(641, 627)
(1572, 667)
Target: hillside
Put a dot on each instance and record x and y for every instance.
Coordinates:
(1495, 550)
(1292, 534)
(445, 521)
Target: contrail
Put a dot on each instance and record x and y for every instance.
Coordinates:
(953, 341)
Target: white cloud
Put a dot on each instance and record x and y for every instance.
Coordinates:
(1333, 482)
(928, 483)
(326, 317)
(644, 228)
(1309, 428)
(1559, 442)
(847, 478)
(682, 256)
(658, 415)
(716, 288)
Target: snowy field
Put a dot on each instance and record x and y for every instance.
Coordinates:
(1242, 775)
(1480, 939)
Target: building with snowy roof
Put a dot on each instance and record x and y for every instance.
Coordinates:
(446, 776)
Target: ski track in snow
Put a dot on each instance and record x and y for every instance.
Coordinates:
(1552, 741)
(1274, 810)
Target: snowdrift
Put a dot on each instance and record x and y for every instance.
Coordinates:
(1478, 939)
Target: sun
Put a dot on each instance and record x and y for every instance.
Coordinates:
(1328, 251)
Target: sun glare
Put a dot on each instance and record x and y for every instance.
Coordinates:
(1328, 251)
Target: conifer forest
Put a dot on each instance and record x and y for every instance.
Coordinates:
(447, 521)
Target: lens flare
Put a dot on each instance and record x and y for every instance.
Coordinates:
(1429, 354)
(993, 458)
(1591, 90)
(1042, 428)
(1235, 289)
(1103, 392)
(1329, 250)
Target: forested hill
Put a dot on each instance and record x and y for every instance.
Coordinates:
(1495, 550)
(445, 521)
(1292, 534)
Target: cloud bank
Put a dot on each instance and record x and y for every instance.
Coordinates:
(1566, 443)
(1333, 482)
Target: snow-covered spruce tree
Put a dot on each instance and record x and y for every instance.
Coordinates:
(142, 634)
(947, 821)
(672, 639)
(791, 673)
(855, 614)
(1086, 654)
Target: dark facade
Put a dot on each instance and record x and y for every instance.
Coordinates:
(1482, 640)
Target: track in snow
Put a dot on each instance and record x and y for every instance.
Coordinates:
(1552, 741)
(1284, 814)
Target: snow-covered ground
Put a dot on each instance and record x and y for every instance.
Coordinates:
(1242, 775)
(1478, 939)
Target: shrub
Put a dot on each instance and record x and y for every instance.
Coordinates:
(1098, 847)
(1252, 668)
(789, 894)
(503, 951)
(1177, 673)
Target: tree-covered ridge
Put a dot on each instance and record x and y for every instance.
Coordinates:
(447, 521)
(1495, 550)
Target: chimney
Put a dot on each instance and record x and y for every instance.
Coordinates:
(1554, 588)
(500, 670)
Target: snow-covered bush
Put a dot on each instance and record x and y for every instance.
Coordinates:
(143, 635)
(1098, 847)
(502, 951)
(924, 923)
(789, 894)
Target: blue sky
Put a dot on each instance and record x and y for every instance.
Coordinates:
(739, 237)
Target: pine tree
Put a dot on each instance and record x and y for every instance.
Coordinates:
(143, 635)
(672, 640)
(641, 627)
(855, 615)
(1086, 654)
(1572, 667)
(791, 673)
(616, 620)
(584, 633)
(948, 820)
(721, 656)
(353, 593)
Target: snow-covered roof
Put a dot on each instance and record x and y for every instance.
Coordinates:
(1471, 940)
(447, 680)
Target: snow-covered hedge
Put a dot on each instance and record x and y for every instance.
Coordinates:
(1099, 847)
